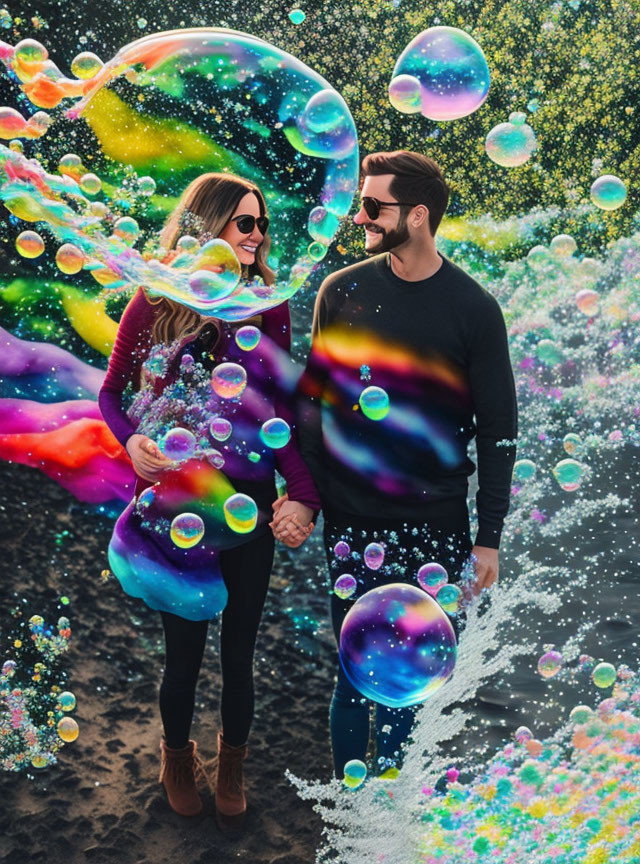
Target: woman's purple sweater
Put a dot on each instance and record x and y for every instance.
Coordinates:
(132, 345)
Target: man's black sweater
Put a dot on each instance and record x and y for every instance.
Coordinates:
(438, 347)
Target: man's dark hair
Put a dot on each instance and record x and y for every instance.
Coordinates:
(417, 180)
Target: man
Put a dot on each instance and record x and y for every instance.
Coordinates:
(413, 324)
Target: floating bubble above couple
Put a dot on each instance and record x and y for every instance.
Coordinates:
(587, 301)
(342, 549)
(550, 663)
(442, 74)
(608, 192)
(450, 599)
(511, 144)
(29, 244)
(524, 470)
(187, 530)
(431, 577)
(397, 645)
(345, 586)
(604, 675)
(68, 729)
(70, 259)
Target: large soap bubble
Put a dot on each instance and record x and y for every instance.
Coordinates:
(237, 104)
(442, 74)
(397, 646)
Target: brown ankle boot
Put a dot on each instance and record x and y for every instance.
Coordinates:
(179, 773)
(231, 803)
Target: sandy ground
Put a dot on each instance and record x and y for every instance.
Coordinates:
(103, 802)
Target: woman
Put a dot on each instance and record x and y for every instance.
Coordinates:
(234, 210)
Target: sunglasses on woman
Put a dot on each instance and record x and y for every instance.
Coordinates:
(372, 205)
(246, 224)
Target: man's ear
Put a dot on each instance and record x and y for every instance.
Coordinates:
(420, 215)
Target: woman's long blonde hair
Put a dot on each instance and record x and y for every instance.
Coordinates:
(206, 206)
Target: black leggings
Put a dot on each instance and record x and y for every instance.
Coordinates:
(245, 570)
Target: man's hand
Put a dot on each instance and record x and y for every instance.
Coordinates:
(148, 461)
(486, 567)
(289, 521)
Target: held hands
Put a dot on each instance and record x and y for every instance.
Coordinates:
(289, 519)
(148, 461)
(485, 562)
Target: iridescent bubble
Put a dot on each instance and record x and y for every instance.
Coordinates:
(549, 353)
(581, 714)
(397, 646)
(146, 186)
(86, 65)
(342, 549)
(30, 51)
(187, 530)
(450, 598)
(510, 144)
(178, 444)
(127, 229)
(6, 20)
(587, 301)
(345, 586)
(241, 513)
(563, 245)
(68, 729)
(432, 577)
(517, 117)
(524, 470)
(538, 255)
(206, 285)
(36, 621)
(16, 145)
(67, 700)
(70, 259)
(568, 474)
(145, 498)
(39, 760)
(374, 556)
(29, 244)
(405, 94)
(327, 112)
(248, 337)
(322, 225)
(317, 251)
(355, 773)
(374, 402)
(71, 165)
(608, 192)
(603, 675)
(215, 458)
(90, 184)
(220, 428)
(9, 668)
(187, 243)
(550, 664)
(523, 734)
(275, 433)
(297, 16)
(323, 112)
(451, 69)
(571, 443)
(228, 380)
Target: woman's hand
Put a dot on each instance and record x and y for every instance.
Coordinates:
(148, 461)
(291, 521)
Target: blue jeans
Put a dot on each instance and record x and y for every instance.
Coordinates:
(444, 539)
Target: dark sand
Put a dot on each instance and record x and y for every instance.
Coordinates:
(102, 801)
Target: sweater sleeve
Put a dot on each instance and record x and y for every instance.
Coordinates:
(130, 348)
(289, 461)
(494, 398)
(309, 395)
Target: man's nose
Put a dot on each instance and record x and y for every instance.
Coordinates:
(360, 216)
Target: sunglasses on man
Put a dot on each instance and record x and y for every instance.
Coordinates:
(246, 224)
(372, 205)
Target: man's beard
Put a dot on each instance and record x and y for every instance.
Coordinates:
(390, 239)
